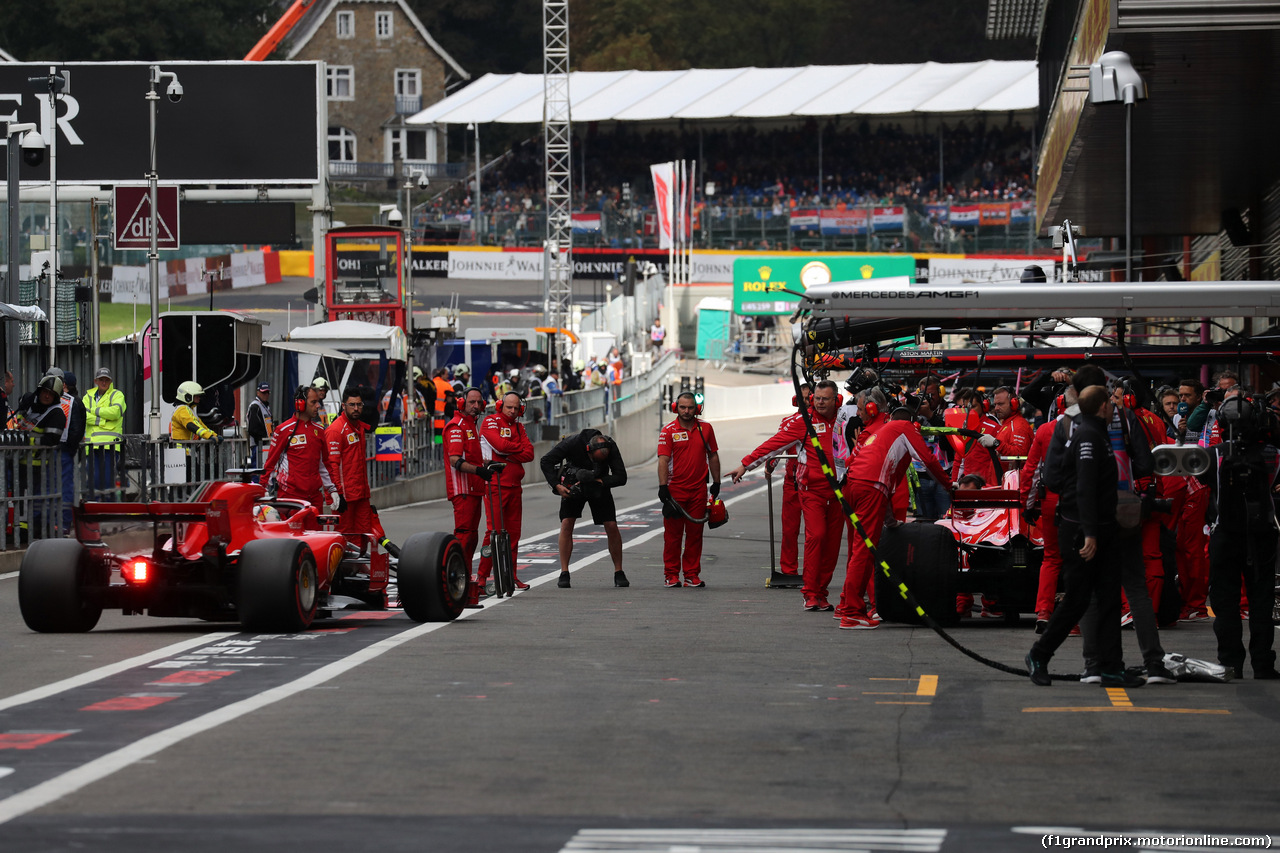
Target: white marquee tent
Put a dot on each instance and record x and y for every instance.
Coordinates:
(729, 93)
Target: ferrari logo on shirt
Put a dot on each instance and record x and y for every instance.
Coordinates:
(470, 435)
(505, 432)
(819, 427)
(679, 436)
(869, 439)
(351, 438)
(297, 440)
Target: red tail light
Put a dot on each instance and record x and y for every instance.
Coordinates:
(136, 570)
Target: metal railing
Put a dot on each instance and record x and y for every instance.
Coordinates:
(504, 221)
(32, 491)
(373, 171)
(137, 468)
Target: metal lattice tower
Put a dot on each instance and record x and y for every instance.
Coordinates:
(557, 139)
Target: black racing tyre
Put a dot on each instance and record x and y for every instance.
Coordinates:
(52, 592)
(279, 586)
(923, 556)
(504, 580)
(433, 575)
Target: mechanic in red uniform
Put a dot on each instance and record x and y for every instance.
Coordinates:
(876, 468)
(823, 518)
(788, 554)
(503, 439)
(1051, 562)
(299, 455)
(466, 474)
(345, 438)
(973, 456)
(687, 451)
(1015, 434)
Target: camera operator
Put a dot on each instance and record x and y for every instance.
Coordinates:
(584, 469)
(1243, 543)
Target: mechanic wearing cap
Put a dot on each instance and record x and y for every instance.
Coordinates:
(299, 455)
(687, 452)
(823, 517)
(104, 422)
(594, 463)
(259, 423)
(503, 439)
(466, 472)
(321, 385)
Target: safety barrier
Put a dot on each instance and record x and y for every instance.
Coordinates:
(138, 468)
(32, 492)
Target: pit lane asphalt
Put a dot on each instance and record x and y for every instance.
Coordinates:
(561, 711)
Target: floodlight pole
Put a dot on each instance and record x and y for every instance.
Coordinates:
(153, 254)
(14, 132)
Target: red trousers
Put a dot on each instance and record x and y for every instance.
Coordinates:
(357, 520)
(871, 507)
(466, 523)
(1193, 558)
(316, 498)
(823, 521)
(677, 531)
(1051, 564)
(789, 556)
(512, 515)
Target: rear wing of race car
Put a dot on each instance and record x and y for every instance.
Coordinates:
(90, 514)
(986, 499)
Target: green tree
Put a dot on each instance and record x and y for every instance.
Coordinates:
(137, 30)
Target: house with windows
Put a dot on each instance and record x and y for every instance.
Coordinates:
(382, 67)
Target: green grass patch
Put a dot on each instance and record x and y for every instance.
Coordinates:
(116, 319)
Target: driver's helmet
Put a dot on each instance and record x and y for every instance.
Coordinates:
(266, 512)
(188, 391)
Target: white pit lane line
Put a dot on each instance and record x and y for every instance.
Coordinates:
(100, 768)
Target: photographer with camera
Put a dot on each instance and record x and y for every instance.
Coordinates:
(584, 469)
(1242, 546)
(467, 472)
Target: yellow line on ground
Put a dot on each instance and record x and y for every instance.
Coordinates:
(1124, 709)
(1119, 698)
(899, 693)
(928, 686)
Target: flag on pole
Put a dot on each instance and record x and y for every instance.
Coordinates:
(663, 181)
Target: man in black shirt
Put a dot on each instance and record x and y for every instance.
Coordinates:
(1087, 539)
(1243, 542)
(583, 469)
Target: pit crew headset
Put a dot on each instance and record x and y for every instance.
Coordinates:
(676, 402)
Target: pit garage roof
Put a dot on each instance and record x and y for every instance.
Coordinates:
(1203, 141)
(721, 93)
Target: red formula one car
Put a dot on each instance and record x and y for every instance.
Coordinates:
(233, 554)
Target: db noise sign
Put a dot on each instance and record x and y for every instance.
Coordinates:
(133, 218)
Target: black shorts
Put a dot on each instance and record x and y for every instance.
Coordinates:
(602, 508)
